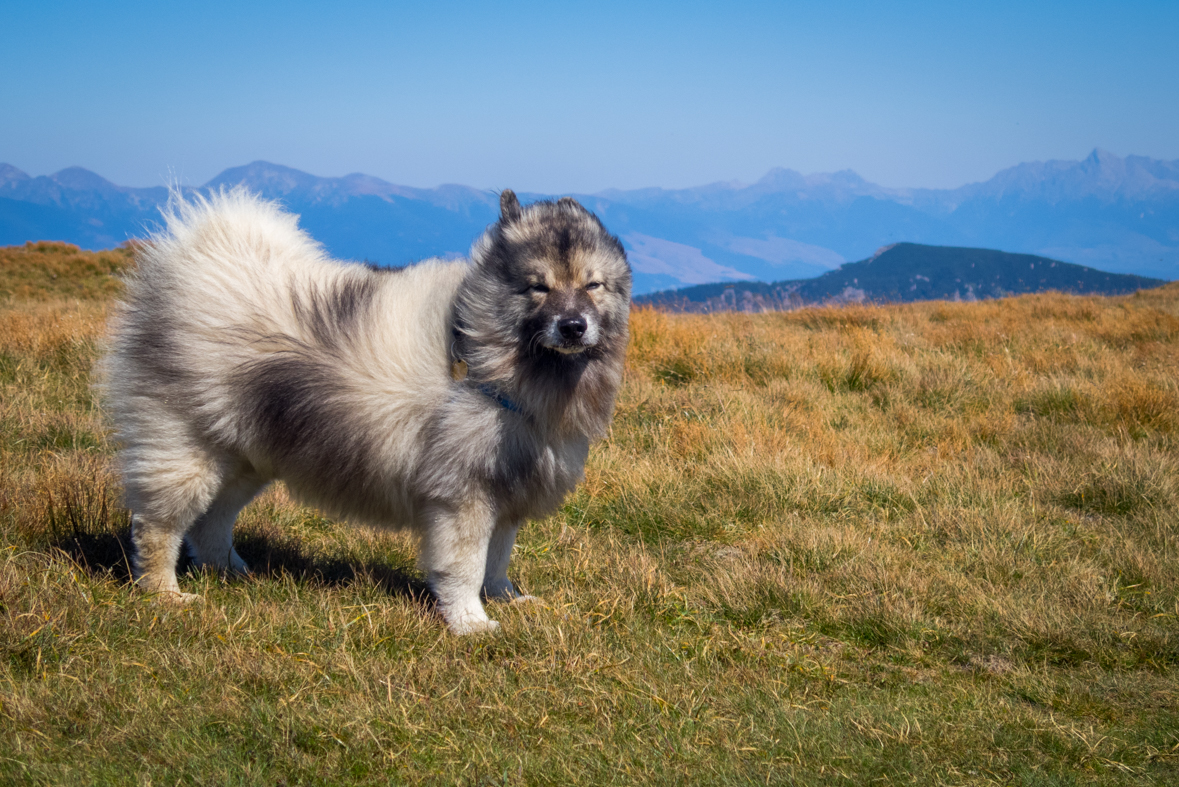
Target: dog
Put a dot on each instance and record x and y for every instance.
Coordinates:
(455, 398)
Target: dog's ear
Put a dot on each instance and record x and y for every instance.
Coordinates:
(569, 202)
(509, 207)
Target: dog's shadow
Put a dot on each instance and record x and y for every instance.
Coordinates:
(110, 553)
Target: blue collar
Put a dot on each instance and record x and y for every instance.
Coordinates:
(498, 397)
(458, 373)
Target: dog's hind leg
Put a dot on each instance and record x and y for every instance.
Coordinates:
(454, 555)
(157, 547)
(167, 488)
(496, 584)
(210, 539)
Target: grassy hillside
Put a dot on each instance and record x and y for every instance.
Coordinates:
(933, 543)
(904, 273)
(47, 270)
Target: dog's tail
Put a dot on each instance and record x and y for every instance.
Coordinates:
(221, 242)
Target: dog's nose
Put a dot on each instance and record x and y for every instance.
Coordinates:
(571, 327)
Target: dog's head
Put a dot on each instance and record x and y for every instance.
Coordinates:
(554, 278)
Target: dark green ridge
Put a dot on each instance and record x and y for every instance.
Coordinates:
(907, 272)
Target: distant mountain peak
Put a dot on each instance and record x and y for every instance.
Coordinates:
(81, 179)
(841, 186)
(1101, 175)
(781, 178)
(10, 174)
(1107, 168)
(1103, 156)
(271, 180)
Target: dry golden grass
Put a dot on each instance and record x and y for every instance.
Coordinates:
(49, 269)
(933, 543)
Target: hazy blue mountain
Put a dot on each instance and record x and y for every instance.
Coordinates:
(73, 205)
(355, 217)
(1116, 214)
(906, 272)
(365, 218)
(1105, 212)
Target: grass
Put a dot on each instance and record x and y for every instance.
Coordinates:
(933, 543)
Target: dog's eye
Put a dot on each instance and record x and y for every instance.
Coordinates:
(542, 289)
(593, 285)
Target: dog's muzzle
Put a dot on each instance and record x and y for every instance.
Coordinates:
(571, 334)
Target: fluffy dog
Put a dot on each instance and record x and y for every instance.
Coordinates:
(455, 398)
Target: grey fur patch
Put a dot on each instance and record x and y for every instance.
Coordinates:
(334, 312)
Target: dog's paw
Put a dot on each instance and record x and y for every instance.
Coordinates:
(177, 597)
(503, 590)
(469, 618)
(468, 626)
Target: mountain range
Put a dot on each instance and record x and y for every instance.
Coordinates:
(906, 272)
(1106, 212)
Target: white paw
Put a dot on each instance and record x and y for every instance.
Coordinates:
(468, 618)
(470, 626)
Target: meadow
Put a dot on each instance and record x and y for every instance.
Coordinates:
(934, 543)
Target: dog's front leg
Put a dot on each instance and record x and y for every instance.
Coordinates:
(454, 556)
(496, 584)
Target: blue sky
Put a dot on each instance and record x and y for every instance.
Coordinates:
(581, 97)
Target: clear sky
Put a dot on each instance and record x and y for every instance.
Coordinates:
(578, 97)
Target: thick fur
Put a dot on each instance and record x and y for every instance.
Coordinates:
(243, 354)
